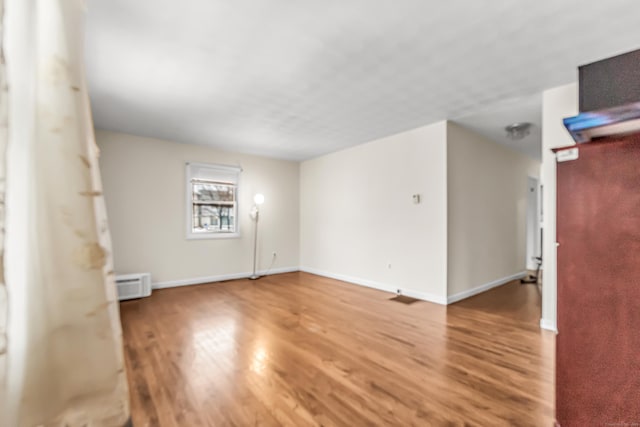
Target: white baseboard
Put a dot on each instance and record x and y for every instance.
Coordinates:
(377, 285)
(549, 325)
(483, 288)
(425, 296)
(219, 278)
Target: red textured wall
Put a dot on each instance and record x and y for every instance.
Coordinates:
(598, 342)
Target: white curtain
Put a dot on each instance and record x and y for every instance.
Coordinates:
(61, 357)
(3, 289)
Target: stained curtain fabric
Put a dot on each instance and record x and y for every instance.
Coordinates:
(61, 357)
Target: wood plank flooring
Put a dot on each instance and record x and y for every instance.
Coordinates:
(302, 350)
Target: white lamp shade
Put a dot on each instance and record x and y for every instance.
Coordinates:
(258, 199)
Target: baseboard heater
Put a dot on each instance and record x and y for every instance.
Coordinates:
(132, 286)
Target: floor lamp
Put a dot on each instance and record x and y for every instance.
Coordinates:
(258, 199)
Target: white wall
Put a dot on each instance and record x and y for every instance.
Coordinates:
(487, 203)
(357, 214)
(144, 186)
(557, 104)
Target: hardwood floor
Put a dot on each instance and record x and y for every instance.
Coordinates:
(302, 350)
(512, 301)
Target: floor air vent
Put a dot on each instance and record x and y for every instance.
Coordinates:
(132, 286)
(404, 299)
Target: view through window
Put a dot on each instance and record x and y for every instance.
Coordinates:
(214, 206)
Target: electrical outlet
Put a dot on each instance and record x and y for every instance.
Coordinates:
(389, 266)
(274, 254)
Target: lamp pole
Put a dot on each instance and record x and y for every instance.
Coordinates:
(258, 199)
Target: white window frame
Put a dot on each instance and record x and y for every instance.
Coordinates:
(215, 173)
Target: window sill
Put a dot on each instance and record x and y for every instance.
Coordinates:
(212, 236)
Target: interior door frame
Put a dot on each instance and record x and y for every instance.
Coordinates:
(532, 217)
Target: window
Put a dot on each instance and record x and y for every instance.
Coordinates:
(212, 207)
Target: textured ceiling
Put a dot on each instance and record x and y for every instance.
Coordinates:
(492, 119)
(297, 79)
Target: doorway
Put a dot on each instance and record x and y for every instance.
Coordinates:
(533, 234)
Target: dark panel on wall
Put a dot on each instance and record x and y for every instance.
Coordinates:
(610, 83)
